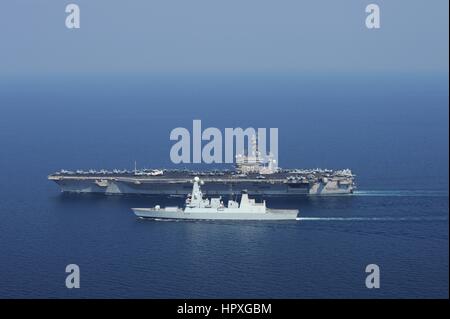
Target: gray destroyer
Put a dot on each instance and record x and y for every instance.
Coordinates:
(260, 176)
(200, 208)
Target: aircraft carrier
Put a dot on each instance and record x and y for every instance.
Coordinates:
(252, 173)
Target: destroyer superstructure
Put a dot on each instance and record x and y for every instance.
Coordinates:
(199, 208)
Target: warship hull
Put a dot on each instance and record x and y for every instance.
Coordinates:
(270, 186)
(271, 214)
(256, 174)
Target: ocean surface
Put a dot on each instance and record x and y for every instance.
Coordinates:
(391, 130)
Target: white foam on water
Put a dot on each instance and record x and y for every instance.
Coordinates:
(402, 193)
(424, 218)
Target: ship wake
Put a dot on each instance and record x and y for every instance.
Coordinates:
(402, 193)
(422, 218)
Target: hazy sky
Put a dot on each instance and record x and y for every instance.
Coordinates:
(222, 36)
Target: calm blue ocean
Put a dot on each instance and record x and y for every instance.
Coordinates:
(391, 130)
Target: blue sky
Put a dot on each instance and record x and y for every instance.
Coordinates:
(158, 36)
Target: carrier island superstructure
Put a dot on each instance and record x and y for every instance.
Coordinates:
(253, 173)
